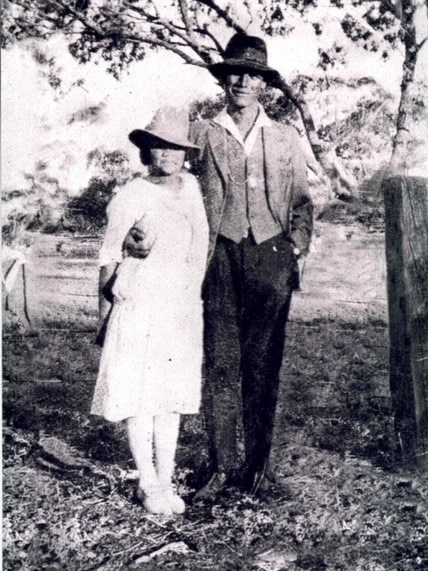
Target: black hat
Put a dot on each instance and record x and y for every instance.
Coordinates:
(245, 52)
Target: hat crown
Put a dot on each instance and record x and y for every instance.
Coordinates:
(169, 123)
(245, 53)
(249, 48)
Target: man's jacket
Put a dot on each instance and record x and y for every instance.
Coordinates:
(285, 178)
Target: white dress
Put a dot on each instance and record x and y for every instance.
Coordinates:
(152, 356)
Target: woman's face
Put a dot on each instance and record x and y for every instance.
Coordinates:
(166, 159)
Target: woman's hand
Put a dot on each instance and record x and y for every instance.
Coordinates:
(105, 295)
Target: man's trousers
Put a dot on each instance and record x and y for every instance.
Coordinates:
(247, 294)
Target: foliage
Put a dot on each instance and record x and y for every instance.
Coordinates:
(112, 165)
(39, 206)
(276, 106)
(361, 137)
(120, 33)
(87, 212)
(46, 206)
(350, 148)
(337, 504)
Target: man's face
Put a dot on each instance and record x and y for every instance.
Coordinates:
(244, 87)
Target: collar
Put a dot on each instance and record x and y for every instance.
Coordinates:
(225, 120)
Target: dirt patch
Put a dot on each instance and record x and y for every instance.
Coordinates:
(338, 503)
(344, 275)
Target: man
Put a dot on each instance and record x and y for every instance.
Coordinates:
(253, 179)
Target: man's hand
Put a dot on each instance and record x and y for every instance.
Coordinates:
(138, 243)
(301, 262)
(105, 298)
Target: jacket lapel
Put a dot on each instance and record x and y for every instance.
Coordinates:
(218, 148)
(278, 167)
(275, 158)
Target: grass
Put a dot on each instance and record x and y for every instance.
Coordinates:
(341, 501)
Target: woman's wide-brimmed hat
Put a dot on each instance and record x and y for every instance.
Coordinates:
(245, 52)
(169, 124)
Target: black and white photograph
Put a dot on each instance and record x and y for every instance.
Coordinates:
(214, 285)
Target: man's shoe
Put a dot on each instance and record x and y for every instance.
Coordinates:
(212, 489)
(259, 482)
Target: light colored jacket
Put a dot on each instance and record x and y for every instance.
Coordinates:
(285, 176)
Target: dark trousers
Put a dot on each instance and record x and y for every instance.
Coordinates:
(247, 294)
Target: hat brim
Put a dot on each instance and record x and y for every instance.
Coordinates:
(228, 66)
(143, 139)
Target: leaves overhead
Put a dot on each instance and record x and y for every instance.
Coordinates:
(116, 31)
(120, 32)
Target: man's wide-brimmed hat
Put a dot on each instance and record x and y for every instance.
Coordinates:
(245, 52)
(169, 124)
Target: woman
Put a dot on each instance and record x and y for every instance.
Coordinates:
(150, 369)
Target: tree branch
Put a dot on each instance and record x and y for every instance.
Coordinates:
(394, 8)
(224, 14)
(80, 17)
(156, 42)
(184, 10)
(189, 40)
(186, 34)
(337, 180)
(205, 31)
(369, 28)
(420, 45)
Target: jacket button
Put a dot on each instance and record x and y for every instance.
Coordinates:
(252, 181)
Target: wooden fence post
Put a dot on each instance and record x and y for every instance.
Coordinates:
(406, 242)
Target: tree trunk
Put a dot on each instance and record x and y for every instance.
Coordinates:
(406, 229)
(327, 167)
(406, 235)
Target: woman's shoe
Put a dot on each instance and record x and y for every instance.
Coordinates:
(177, 504)
(155, 501)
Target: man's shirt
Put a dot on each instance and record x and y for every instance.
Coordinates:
(246, 206)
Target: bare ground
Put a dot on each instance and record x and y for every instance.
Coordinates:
(342, 500)
(344, 277)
